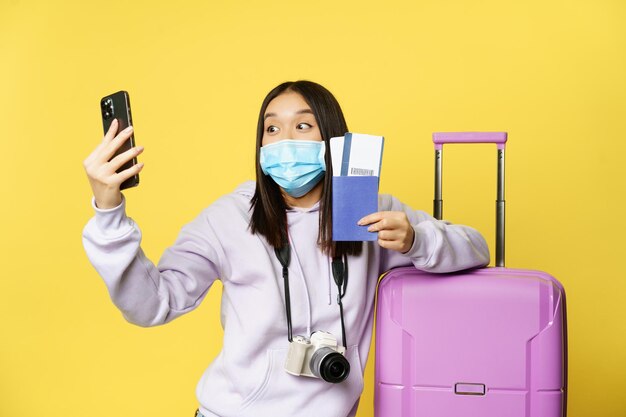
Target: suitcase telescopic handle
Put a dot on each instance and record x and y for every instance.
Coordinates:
(499, 138)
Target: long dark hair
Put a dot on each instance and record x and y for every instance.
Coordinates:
(269, 217)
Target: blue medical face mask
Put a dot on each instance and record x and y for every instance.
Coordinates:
(295, 165)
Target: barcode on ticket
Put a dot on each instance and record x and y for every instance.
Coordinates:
(361, 171)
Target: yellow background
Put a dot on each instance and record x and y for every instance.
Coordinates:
(551, 73)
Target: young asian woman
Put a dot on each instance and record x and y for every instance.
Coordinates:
(236, 239)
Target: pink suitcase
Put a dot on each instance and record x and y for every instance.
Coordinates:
(490, 342)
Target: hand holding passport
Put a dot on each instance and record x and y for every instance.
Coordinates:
(356, 162)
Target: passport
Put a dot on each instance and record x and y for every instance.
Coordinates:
(353, 199)
(356, 160)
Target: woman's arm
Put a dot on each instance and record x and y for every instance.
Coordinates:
(145, 294)
(408, 236)
(148, 295)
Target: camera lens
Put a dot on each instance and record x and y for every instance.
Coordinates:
(329, 365)
(107, 109)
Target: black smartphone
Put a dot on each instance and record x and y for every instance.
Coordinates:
(117, 106)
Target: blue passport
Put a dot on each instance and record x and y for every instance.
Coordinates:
(353, 198)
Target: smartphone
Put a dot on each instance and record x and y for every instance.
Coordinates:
(117, 106)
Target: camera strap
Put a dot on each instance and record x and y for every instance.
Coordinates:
(340, 275)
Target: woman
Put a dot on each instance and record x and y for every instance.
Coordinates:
(238, 239)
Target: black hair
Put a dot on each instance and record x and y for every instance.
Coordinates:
(269, 217)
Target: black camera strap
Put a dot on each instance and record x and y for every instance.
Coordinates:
(284, 256)
(340, 275)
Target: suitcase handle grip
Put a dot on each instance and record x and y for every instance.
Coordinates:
(440, 138)
(499, 138)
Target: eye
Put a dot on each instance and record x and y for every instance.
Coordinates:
(271, 129)
(303, 124)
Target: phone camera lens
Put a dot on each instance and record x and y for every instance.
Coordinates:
(107, 108)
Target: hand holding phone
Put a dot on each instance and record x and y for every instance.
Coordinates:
(117, 107)
(113, 162)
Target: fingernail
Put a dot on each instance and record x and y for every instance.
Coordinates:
(360, 222)
(128, 129)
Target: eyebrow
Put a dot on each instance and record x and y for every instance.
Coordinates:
(303, 111)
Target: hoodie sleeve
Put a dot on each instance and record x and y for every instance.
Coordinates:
(438, 246)
(149, 295)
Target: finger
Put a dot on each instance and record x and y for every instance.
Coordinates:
(389, 244)
(127, 173)
(110, 134)
(388, 235)
(96, 152)
(372, 218)
(124, 157)
(110, 148)
(387, 223)
(376, 217)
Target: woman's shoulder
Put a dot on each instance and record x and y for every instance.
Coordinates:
(235, 203)
(245, 190)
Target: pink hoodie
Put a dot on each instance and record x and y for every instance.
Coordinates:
(248, 378)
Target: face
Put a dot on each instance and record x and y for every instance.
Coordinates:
(288, 116)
